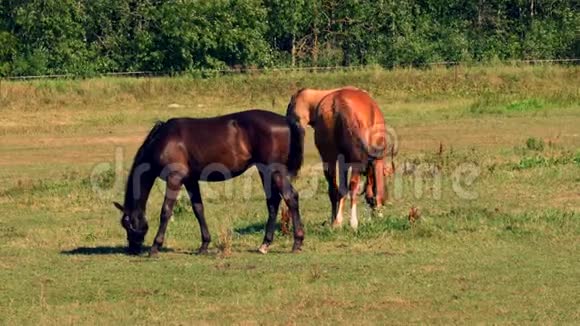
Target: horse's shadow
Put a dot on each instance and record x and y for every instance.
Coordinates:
(105, 250)
(254, 228)
(251, 229)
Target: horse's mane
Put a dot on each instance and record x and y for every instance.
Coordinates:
(139, 156)
(293, 98)
(150, 137)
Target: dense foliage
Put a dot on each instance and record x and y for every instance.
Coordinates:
(91, 36)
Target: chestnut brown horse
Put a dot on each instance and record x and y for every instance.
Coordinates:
(349, 129)
(184, 151)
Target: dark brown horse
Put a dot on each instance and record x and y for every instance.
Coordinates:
(349, 129)
(183, 151)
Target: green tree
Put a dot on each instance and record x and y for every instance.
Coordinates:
(200, 34)
(51, 37)
(91, 36)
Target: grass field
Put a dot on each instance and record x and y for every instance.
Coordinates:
(509, 255)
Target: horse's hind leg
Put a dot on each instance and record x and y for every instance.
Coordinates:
(192, 187)
(171, 193)
(273, 203)
(290, 196)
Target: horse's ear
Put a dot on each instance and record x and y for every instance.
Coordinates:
(119, 207)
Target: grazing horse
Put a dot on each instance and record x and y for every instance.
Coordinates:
(183, 151)
(348, 128)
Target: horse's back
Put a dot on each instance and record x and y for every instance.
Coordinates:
(233, 142)
(269, 134)
(245, 122)
(199, 143)
(266, 121)
(359, 106)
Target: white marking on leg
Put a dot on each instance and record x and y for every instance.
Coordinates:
(338, 219)
(353, 216)
(263, 249)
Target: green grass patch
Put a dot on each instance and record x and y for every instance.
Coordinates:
(535, 161)
(527, 105)
(497, 104)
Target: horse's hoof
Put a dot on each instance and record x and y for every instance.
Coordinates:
(202, 251)
(263, 249)
(154, 251)
(336, 225)
(153, 254)
(296, 250)
(133, 251)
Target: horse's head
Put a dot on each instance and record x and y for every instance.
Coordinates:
(135, 223)
(302, 106)
(370, 187)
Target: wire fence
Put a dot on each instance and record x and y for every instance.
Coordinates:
(244, 70)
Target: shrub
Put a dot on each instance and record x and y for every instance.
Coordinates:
(535, 144)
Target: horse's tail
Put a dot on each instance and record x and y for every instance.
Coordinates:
(296, 154)
(366, 139)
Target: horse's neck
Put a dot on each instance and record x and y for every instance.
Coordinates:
(316, 95)
(139, 184)
(313, 97)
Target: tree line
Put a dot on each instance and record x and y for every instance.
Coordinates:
(94, 36)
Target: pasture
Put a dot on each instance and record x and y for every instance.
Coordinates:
(489, 155)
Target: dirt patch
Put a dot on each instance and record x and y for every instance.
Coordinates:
(50, 141)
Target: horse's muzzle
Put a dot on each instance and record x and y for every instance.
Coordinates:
(135, 240)
(372, 201)
(135, 248)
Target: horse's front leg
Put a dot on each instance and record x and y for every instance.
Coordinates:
(197, 204)
(369, 187)
(171, 194)
(343, 190)
(333, 194)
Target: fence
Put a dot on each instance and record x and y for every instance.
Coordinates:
(273, 69)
